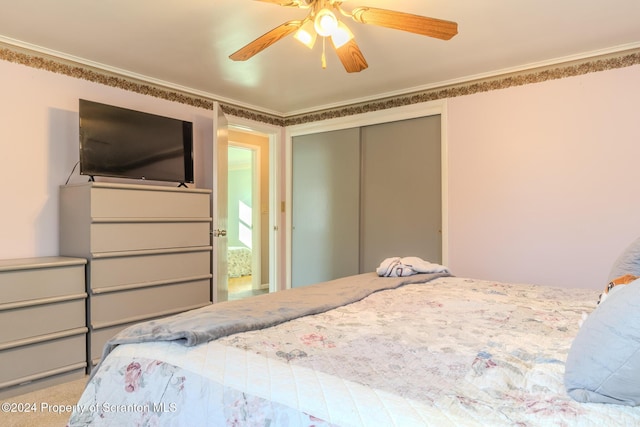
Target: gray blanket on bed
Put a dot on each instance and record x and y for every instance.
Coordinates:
(214, 321)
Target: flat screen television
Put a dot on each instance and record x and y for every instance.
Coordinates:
(122, 143)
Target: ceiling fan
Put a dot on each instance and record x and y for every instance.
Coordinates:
(322, 21)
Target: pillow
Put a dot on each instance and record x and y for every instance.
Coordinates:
(603, 364)
(628, 262)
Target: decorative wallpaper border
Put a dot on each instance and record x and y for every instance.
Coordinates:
(620, 60)
(559, 71)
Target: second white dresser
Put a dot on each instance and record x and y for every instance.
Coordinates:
(42, 323)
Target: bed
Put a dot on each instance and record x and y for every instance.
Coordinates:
(239, 261)
(428, 349)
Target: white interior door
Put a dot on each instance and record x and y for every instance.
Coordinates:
(219, 205)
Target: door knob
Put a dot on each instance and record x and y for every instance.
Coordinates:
(219, 233)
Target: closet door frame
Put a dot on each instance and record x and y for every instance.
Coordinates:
(384, 116)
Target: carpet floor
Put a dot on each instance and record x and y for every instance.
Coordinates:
(48, 406)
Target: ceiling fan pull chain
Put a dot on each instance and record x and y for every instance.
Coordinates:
(324, 57)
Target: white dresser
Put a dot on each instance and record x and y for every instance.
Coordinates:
(148, 250)
(43, 332)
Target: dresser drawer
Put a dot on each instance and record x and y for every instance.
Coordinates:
(30, 279)
(99, 338)
(109, 272)
(156, 203)
(116, 236)
(32, 359)
(112, 308)
(35, 320)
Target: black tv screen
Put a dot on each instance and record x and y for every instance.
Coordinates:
(123, 143)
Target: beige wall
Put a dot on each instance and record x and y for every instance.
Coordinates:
(544, 179)
(39, 148)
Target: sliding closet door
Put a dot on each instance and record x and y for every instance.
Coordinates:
(401, 212)
(325, 211)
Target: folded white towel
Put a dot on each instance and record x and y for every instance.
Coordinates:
(408, 266)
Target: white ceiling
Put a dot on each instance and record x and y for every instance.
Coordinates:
(186, 43)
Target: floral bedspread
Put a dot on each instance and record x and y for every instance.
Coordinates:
(239, 261)
(452, 351)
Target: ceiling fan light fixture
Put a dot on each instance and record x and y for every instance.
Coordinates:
(325, 22)
(341, 35)
(322, 16)
(306, 35)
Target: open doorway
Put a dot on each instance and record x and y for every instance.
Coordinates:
(248, 215)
